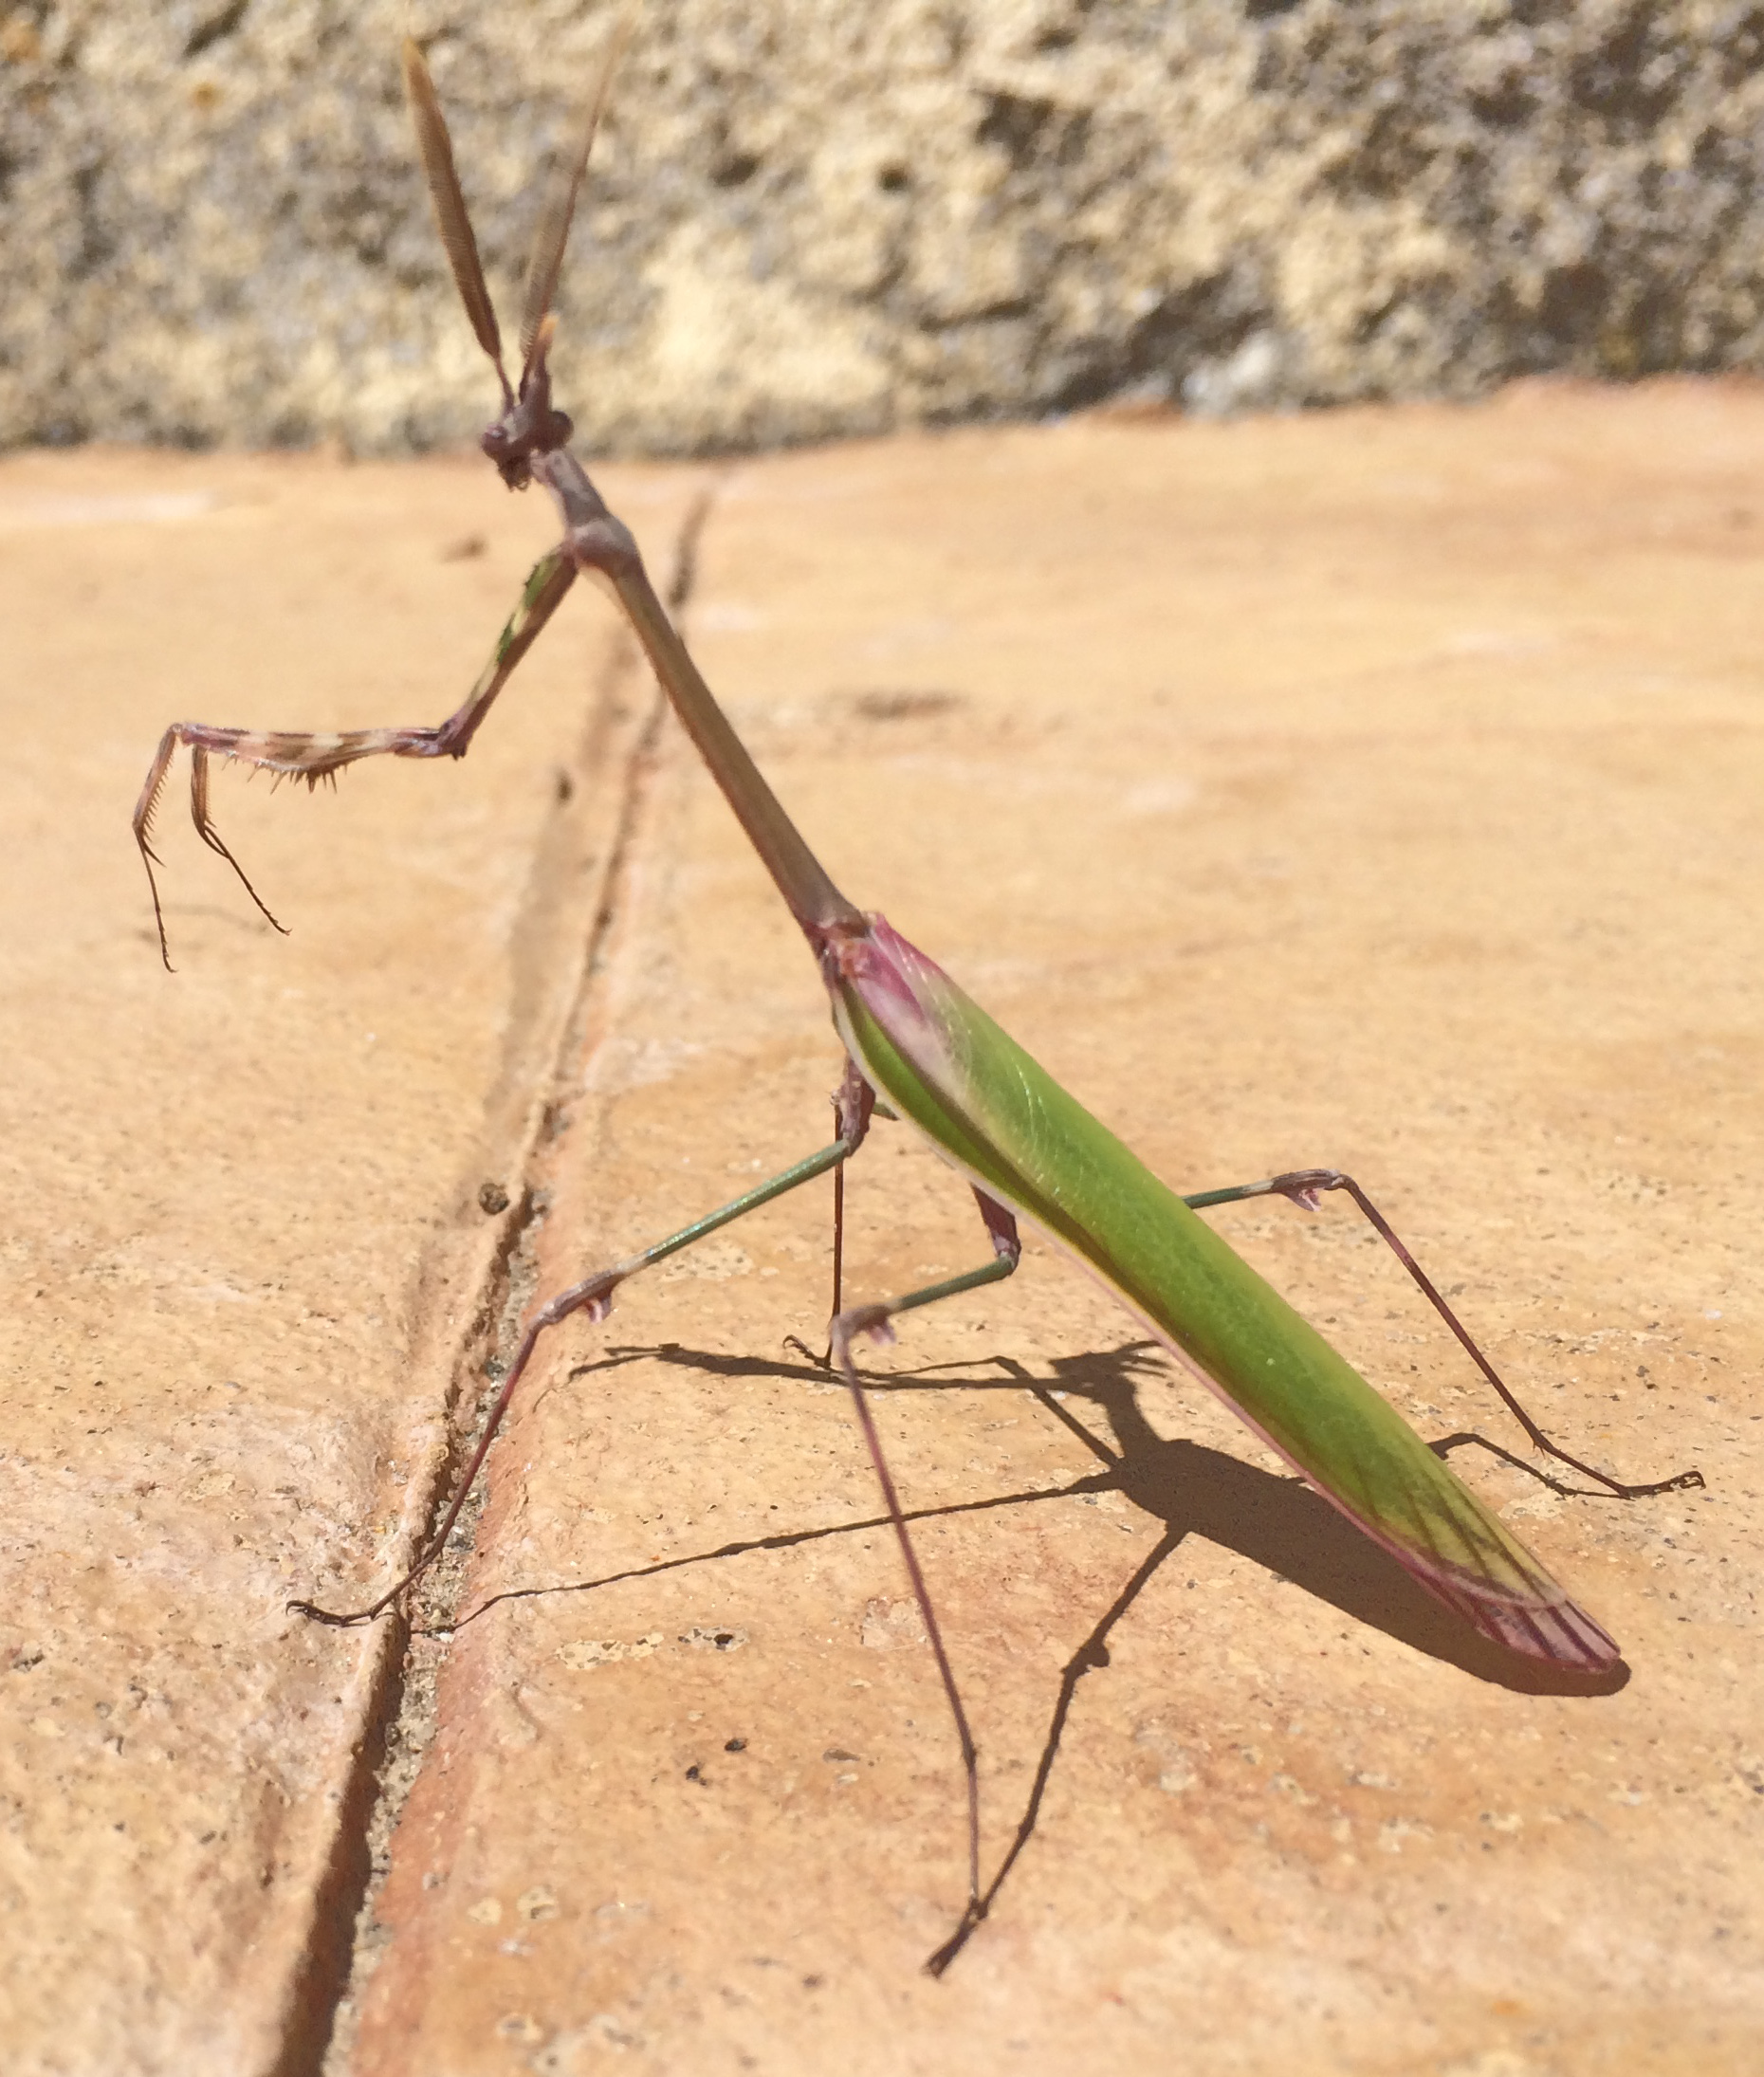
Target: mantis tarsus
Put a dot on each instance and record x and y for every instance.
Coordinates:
(920, 1050)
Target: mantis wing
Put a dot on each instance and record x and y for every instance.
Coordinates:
(987, 1108)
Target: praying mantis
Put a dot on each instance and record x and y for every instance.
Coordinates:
(921, 1052)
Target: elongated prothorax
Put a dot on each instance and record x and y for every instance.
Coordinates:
(603, 543)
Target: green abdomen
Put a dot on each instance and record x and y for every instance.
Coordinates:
(1040, 1152)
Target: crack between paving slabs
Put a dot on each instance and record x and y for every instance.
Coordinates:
(404, 1659)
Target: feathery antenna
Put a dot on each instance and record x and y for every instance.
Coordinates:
(449, 207)
(551, 231)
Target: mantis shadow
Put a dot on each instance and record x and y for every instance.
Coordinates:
(1277, 1522)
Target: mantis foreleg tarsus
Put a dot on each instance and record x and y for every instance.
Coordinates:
(920, 1050)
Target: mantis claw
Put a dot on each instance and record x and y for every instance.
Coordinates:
(212, 838)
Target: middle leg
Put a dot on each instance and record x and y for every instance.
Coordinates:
(594, 1296)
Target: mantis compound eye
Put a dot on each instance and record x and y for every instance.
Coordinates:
(509, 454)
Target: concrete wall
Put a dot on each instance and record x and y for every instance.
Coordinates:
(811, 216)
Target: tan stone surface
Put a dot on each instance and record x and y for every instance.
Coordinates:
(1375, 790)
(1380, 790)
(242, 1246)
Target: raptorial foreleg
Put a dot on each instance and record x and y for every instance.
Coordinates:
(315, 757)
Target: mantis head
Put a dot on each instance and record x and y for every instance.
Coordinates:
(529, 425)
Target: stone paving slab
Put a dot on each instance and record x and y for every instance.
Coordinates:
(243, 1249)
(1378, 789)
